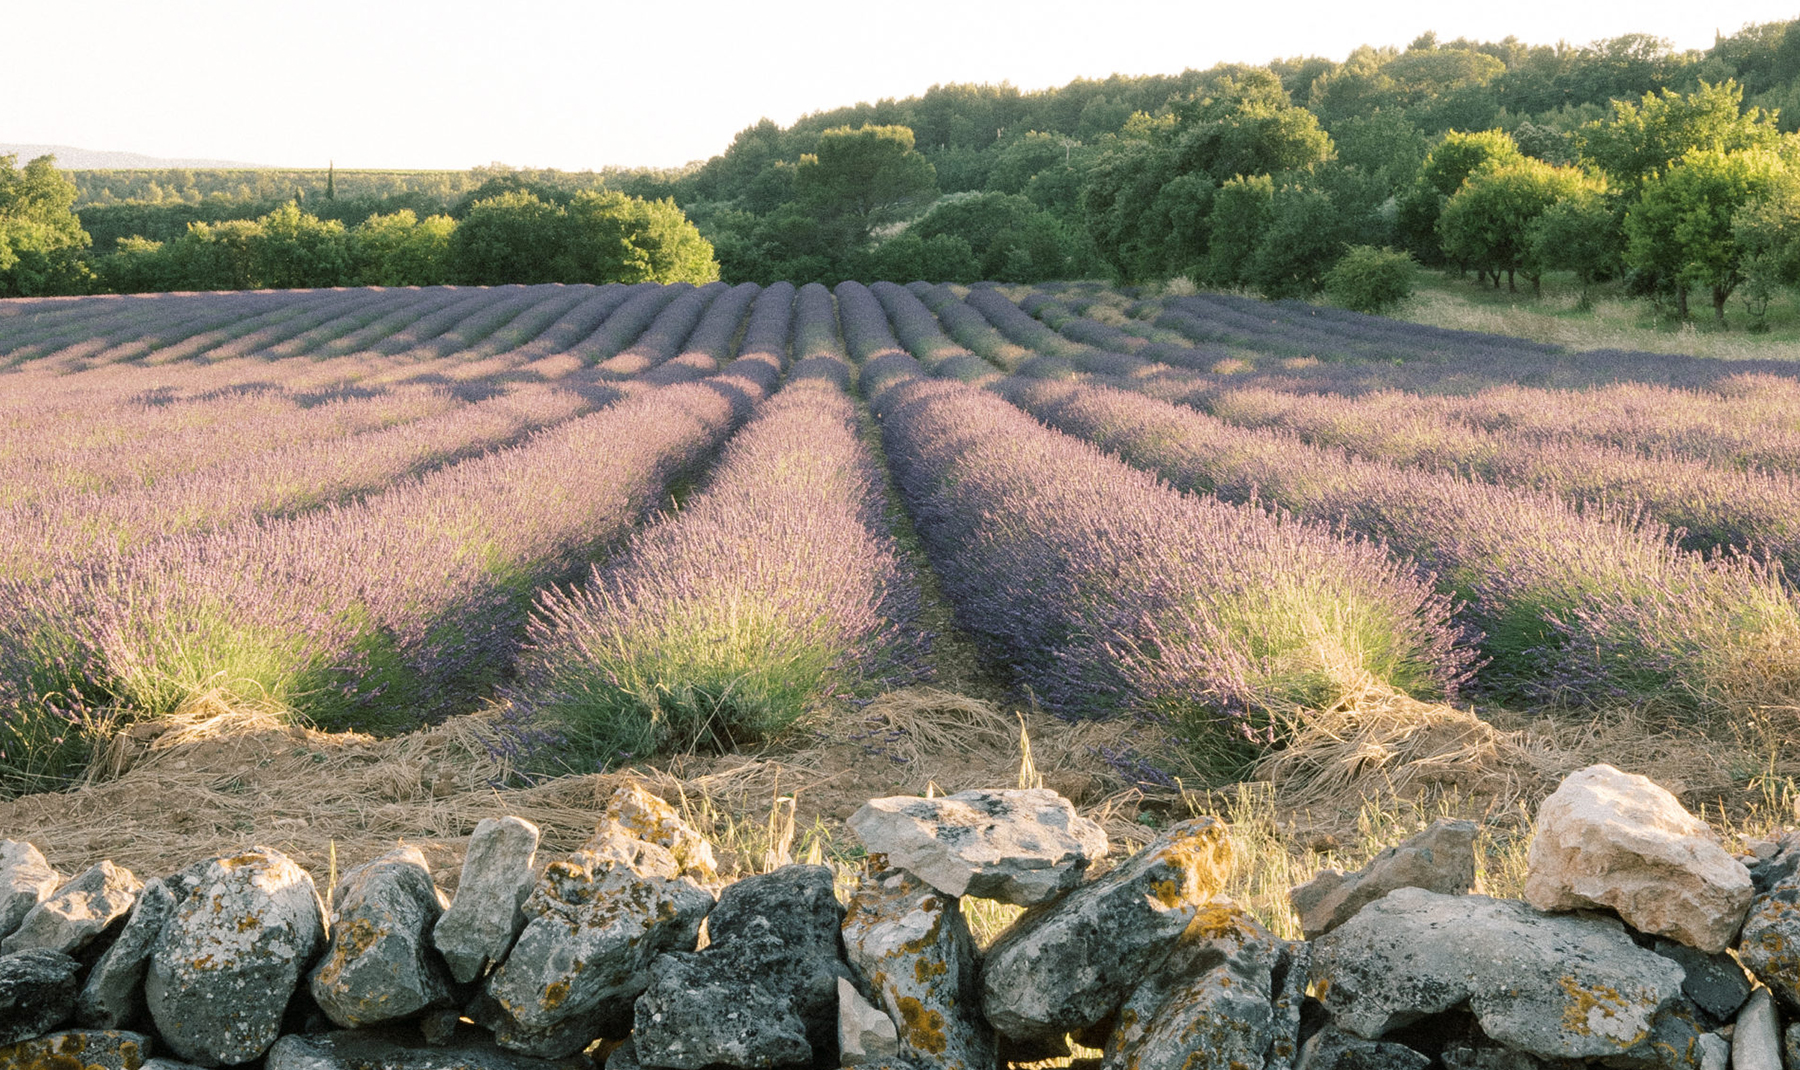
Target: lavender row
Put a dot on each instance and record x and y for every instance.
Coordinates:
(1713, 507)
(376, 614)
(59, 530)
(775, 588)
(708, 345)
(917, 329)
(969, 327)
(1583, 604)
(1108, 592)
(661, 340)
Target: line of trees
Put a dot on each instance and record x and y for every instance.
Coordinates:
(505, 235)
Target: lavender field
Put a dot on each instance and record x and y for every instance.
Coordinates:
(623, 521)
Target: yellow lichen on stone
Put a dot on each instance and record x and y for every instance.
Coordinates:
(922, 1027)
(1589, 1009)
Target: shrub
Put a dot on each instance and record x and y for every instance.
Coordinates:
(1368, 279)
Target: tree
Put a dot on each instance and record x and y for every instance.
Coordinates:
(1768, 238)
(1488, 221)
(1643, 140)
(1682, 225)
(611, 237)
(293, 249)
(1240, 216)
(511, 238)
(1304, 238)
(1011, 239)
(40, 237)
(1367, 279)
(865, 177)
(1448, 165)
(398, 249)
(1582, 233)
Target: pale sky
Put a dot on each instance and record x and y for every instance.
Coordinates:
(578, 85)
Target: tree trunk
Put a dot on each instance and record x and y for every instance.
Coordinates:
(1510, 288)
(1681, 301)
(1719, 296)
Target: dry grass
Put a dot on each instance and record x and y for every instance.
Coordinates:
(1358, 778)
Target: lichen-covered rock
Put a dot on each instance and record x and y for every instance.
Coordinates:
(1616, 840)
(652, 820)
(1439, 859)
(1718, 983)
(78, 1049)
(231, 957)
(1020, 846)
(1068, 965)
(77, 913)
(703, 1010)
(1756, 1038)
(911, 951)
(1770, 942)
(797, 906)
(37, 993)
(593, 924)
(1557, 986)
(396, 1049)
(113, 994)
(1715, 1052)
(26, 880)
(1335, 1049)
(485, 917)
(380, 965)
(865, 1033)
(1212, 1002)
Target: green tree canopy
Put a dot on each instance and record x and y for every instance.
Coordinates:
(1682, 226)
(1488, 221)
(40, 236)
(1644, 139)
(865, 177)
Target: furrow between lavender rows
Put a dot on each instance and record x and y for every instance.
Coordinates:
(774, 588)
(1108, 592)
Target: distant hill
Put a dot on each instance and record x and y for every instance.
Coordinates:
(69, 158)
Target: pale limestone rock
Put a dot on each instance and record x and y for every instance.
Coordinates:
(650, 819)
(1756, 1039)
(26, 880)
(1020, 846)
(1439, 859)
(380, 964)
(865, 1032)
(79, 911)
(1616, 840)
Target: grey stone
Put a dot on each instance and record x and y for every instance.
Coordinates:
(26, 880)
(1335, 1049)
(1210, 1006)
(797, 906)
(1439, 859)
(1557, 986)
(160, 1063)
(113, 994)
(593, 924)
(1791, 1044)
(1755, 1039)
(865, 1032)
(623, 1057)
(391, 1048)
(1618, 841)
(1770, 942)
(1718, 984)
(79, 912)
(78, 1049)
(1778, 866)
(1020, 846)
(1478, 1056)
(231, 957)
(703, 1010)
(1070, 964)
(37, 993)
(438, 1027)
(912, 955)
(380, 965)
(643, 816)
(1290, 1003)
(485, 917)
(1715, 1052)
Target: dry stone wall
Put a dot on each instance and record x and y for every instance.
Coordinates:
(1641, 943)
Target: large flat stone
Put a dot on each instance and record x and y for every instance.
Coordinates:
(78, 912)
(37, 993)
(1439, 859)
(1556, 986)
(1021, 846)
